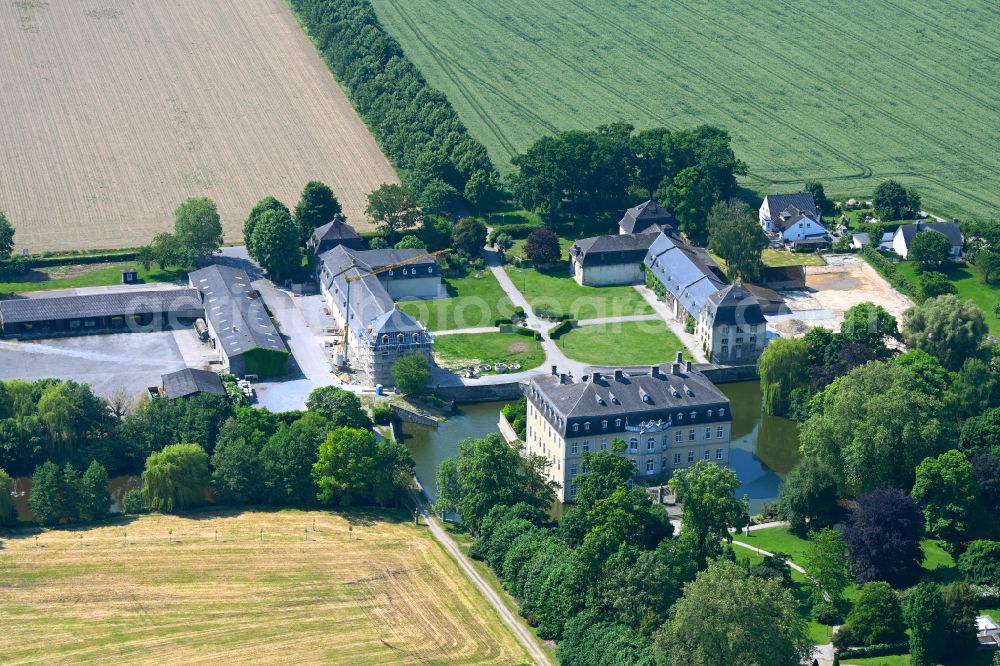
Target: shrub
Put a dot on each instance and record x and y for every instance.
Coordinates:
(383, 414)
(516, 231)
(412, 374)
(980, 563)
(562, 329)
(542, 247)
(825, 613)
(934, 283)
(501, 321)
(528, 333)
(134, 502)
(877, 616)
(880, 650)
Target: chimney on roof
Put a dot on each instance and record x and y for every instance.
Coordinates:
(675, 368)
(555, 371)
(680, 357)
(597, 377)
(619, 375)
(687, 366)
(654, 371)
(563, 379)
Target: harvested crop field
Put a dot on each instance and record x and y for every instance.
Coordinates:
(116, 112)
(848, 92)
(244, 587)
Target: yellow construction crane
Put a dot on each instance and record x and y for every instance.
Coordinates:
(355, 278)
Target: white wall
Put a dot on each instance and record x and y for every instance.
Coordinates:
(804, 228)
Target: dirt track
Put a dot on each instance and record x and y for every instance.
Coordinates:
(114, 115)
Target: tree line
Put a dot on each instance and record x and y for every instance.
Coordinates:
(591, 172)
(192, 451)
(414, 124)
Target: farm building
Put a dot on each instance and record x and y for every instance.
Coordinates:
(903, 238)
(118, 310)
(610, 260)
(647, 217)
(775, 204)
(238, 323)
(334, 233)
(688, 275)
(364, 296)
(190, 381)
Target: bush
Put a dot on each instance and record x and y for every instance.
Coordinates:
(980, 563)
(383, 414)
(528, 333)
(412, 374)
(551, 315)
(824, 613)
(517, 231)
(542, 247)
(880, 650)
(562, 329)
(934, 283)
(14, 268)
(877, 616)
(501, 321)
(134, 502)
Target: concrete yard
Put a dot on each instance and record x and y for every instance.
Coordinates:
(108, 363)
(831, 290)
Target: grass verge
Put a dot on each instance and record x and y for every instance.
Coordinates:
(86, 275)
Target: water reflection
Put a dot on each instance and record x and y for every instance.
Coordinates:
(117, 486)
(763, 450)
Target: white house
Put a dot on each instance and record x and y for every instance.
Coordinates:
(902, 240)
(795, 225)
(775, 204)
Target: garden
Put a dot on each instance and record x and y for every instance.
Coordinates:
(968, 285)
(476, 300)
(622, 343)
(463, 350)
(86, 275)
(555, 292)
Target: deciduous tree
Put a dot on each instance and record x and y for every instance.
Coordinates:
(783, 367)
(542, 247)
(980, 563)
(948, 327)
(877, 616)
(469, 236)
(275, 243)
(926, 615)
(176, 478)
(729, 617)
(287, 460)
(808, 497)
(883, 538)
(412, 374)
(316, 207)
(343, 409)
(707, 493)
(827, 563)
(735, 235)
(930, 249)
(355, 469)
(960, 602)
(95, 500)
(946, 490)
(892, 201)
(869, 325)
(6, 237)
(197, 227)
(8, 508)
(815, 188)
(262, 206)
(392, 210)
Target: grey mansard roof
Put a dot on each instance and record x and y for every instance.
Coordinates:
(645, 216)
(607, 250)
(634, 393)
(686, 272)
(734, 306)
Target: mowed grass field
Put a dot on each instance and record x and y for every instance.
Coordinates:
(844, 91)
(622, 343)
(253, 587)
(116, 112)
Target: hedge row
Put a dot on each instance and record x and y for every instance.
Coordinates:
(414, 124)
(887, 269)
(549, 314)
(877, 650)
(528, 332)
(72, 260)
(562, 329)
(517, 231)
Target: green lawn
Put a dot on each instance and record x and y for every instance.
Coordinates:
(476, 300)
(83, 275)
(911, 98)
(457, 352)
(969, 286)
(625, 343)
(977, 659)
(517, 250)
(773, 257)
(557, 291)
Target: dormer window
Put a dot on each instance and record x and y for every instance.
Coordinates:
(710, 413)
(430, 269)
(693, 415)
(722, 412)
(416, 338)
(618, 423)
(385, 339)
(586, 426)
(680, 416)
(400, 338)
(604, 425)
(404, 271)
(576, 427)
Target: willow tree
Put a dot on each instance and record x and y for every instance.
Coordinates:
(176, 478)
(783, 367)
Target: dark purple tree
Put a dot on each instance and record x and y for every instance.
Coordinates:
(883, 538)
(542, 247)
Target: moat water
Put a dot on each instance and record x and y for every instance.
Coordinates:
(762, 451)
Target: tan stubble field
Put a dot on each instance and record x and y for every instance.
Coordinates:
(282, 587)
(114, 112)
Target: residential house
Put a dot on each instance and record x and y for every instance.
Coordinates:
(798, 228)
(610, 260)
(775, 204)
(363, 299)
(731, 327)
(902, 240)
(647, 217)
(669, 416)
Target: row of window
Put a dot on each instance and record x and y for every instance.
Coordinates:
(575, 469)
(692, 433)
(412, 271)
(618, 422)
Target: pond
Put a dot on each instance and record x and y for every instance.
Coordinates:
(117, 486)
(763, 450)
